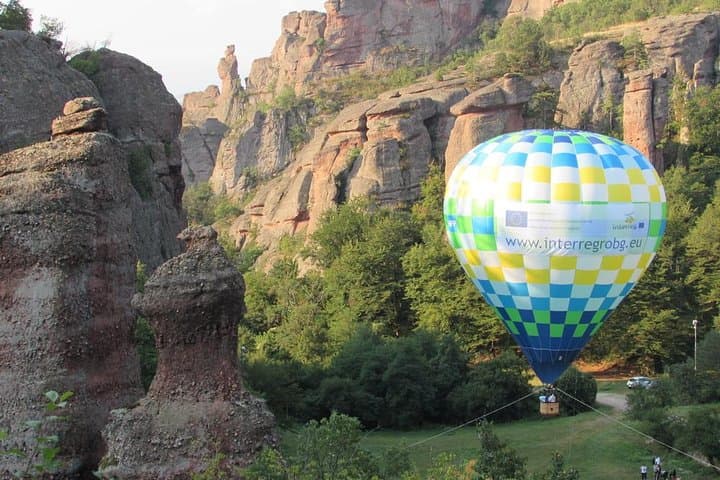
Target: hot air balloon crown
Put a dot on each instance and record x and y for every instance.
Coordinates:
(554, 227)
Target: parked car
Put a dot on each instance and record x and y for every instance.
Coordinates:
(640, 382)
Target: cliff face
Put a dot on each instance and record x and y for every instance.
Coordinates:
(374, 36)
(35, 84)
(76, 213)
(146, 118)
(67, 269)
(383, 147)
(599, 80)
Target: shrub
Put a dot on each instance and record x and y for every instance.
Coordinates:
(87, 63)
(642, 401)
(13, 16)
(491, 385)
(580, 385)
(140, 170)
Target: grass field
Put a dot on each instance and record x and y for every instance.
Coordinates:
(597, 446)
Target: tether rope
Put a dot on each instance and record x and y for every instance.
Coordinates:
(476, 419)
(699, 460)
(629, 427)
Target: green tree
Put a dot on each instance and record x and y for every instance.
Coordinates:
(703, 248)
(703, 119)
(365, 283)
(496, 460)
(579, 385)
(558, 471)
(521, 45)
(441, 296)
(338, 227)
(701, 433)
(13, 16)
(491, 385)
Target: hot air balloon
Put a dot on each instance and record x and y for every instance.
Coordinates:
(554, 228)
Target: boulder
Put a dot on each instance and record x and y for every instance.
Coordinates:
(83, 114)
(485, 113)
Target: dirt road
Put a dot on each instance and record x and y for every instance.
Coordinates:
(616, 400)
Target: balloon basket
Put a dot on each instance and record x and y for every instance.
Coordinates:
(549, 409)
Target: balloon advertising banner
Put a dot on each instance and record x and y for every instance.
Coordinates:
(554, 228)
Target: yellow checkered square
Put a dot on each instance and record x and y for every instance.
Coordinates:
(612, 262)
(511, 260)
(565, 192)
(636, 176)
(539, 174)
(592, 175)
(538, 276)
(586, 277)
(513, 191)
(624, 276)
(619, 193)
(495, 274)
(472, 257)
(563, 263)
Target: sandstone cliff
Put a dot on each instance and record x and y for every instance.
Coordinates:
(382, 147)
(374, 36)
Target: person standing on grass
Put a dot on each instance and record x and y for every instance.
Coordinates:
(643, 472)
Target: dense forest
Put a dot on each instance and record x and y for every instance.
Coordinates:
(387, 327)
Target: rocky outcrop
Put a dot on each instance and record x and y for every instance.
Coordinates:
(533, 8)
(35, 84)
(67, 270)
(84, 114)
(207, 116)
(593, 86)
(363, 34)
(599, 81)
(146, 118)
(256, 151)
(196, 407)
(381, 148)
(374, 36)
(493, 109)
(201, 135)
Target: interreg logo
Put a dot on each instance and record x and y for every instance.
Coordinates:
(516, 218)
(630, 223)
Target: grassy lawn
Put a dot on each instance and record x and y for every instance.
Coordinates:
(598, 447)
(612, 386)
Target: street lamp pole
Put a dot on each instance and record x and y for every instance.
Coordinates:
(695, 324)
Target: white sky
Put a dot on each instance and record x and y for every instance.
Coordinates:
(181, 39)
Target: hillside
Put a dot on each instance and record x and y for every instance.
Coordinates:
(324, 134)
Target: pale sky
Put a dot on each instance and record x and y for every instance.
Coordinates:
(181, 39)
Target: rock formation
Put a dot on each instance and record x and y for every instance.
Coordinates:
(67, 270)
(382, 147)
(35, 84)
(146, 118)
(681, 47)
(196, 407)
(84, 114)
(487, 112)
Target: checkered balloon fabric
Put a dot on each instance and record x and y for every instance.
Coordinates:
(554, 228)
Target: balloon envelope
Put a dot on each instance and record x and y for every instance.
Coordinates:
(554, 228)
